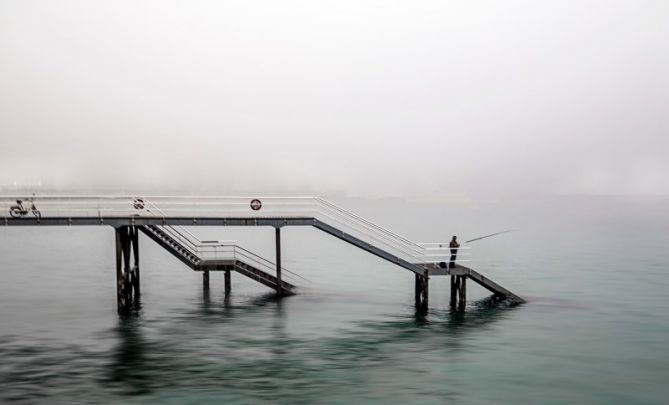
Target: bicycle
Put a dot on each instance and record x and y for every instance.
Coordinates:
(19, 211)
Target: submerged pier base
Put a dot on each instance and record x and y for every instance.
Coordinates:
(127, 276)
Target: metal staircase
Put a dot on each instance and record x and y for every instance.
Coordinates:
(226, 257)
(173, 246)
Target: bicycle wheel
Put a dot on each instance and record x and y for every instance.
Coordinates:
(37, 214)
(15, 212)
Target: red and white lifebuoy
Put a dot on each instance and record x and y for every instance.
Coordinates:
(138, 204)
(255, 204)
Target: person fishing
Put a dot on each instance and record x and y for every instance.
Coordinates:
(454, 245)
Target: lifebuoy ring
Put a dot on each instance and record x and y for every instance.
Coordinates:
(256, 204)
(138, 204)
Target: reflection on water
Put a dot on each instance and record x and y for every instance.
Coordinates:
(130, 366)
(478, 314)
(252, 348)
(241, 349)
(270, 360)
(140, 365)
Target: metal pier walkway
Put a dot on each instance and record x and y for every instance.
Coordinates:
(163, 219)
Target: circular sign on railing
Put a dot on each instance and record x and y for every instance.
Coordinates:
(256, 204)
(138, 204)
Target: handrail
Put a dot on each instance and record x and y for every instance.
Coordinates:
(179, 229)
(117, 205)
(387, 241)
(358, 218)
(388, 238)
(202, 247)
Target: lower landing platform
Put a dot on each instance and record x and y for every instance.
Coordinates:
(433, 269)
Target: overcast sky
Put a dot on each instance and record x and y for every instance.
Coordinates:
(368, 98)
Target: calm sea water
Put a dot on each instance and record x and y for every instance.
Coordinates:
(595, 329)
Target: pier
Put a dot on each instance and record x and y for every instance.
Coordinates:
(163, 220)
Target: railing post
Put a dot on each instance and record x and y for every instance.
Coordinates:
(277, 233)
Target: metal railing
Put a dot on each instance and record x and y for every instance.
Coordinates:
(283, 207)
(216, 250)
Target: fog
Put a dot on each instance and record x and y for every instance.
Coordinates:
(362, 98)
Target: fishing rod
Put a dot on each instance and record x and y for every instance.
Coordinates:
(488, 236)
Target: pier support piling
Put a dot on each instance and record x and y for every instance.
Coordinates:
(135, 269)
(121, 301)
(127, 276)
(277, 238)
(228, 282)
(462, 296)
(459, 292)
(421, 291)
(205, 280)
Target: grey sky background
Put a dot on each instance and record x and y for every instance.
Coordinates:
(430, 99)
